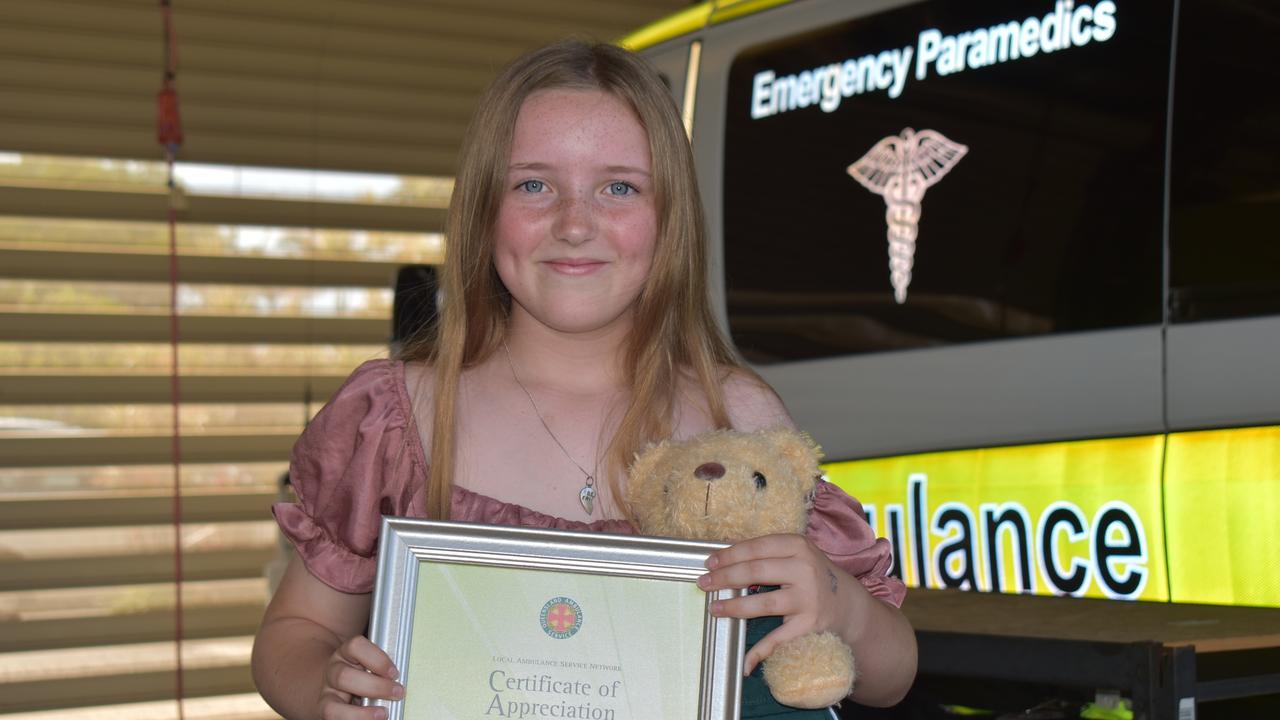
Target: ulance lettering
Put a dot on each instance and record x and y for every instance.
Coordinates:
(955, 547)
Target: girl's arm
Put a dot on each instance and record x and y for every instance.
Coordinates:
(815, 596)
(310, 656)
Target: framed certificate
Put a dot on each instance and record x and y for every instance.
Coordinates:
(492, 622)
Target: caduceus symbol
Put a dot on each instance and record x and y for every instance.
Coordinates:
(901, 167)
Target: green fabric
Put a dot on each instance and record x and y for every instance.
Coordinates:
(757, 701)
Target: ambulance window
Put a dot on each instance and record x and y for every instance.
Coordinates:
(1022, 195)
(1224, 256)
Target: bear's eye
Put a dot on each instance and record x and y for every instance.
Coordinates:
(760, 479)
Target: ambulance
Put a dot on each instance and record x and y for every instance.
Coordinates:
(1015, 265)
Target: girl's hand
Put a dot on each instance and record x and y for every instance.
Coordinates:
(358, 668)
(810, 597)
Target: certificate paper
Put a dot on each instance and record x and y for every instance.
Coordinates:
(531, 644)
(489, 622)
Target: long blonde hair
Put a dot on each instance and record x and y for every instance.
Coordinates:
(674, 336)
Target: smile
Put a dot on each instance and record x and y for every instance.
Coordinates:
(567, 266)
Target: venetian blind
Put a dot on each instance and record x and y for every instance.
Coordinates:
(320, 138)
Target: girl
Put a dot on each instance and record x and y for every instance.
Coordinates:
(575, 329)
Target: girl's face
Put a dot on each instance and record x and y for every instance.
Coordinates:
(577, 223)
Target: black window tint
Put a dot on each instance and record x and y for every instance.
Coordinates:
(1224, 255)
(1051, 222)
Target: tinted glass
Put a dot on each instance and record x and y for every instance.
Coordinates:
(1224, 258)
(1033, 206)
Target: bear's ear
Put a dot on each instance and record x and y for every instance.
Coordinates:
(641, 470)
(644, 482)
(801, 455)
(796, 446)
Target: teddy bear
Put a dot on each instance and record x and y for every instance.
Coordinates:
(727, 486)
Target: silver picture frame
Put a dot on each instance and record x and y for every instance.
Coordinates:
(638, 580)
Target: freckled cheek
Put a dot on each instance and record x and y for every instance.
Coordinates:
(637, 237)
(516, 232)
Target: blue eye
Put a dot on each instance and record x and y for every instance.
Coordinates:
(621, 188)
(533, 186)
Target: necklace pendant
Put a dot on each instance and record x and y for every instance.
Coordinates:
(587, 496)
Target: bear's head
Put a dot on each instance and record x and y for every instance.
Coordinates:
(725, 485)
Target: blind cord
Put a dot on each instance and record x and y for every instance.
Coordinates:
(169, 135)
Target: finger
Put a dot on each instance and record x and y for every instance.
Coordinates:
(763, 649)
(352, 680)
(765, 546)
(769, 571)
(359, 650)
(328, 695)
(765, 604)
(334, 710)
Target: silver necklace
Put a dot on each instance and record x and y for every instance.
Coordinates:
(587, 495)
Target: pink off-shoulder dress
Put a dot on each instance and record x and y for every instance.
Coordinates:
(362, 458)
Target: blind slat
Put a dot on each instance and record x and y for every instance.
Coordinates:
(99, 510)
(319, 94)
(217, 210)
(360, 125)
(72, 136)
(410, 28)
(477, 19)
(79, 44)
(205, 621)
(154, 267)
(418, 38)
(129, 17)
(241, 706)
(29, 450)
(20, 389)
(131, 569)
(87, 327)
(122, 686)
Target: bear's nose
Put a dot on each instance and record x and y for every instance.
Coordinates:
(709, 471)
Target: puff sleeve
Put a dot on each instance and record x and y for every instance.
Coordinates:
(353, 464)
(838, 526)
